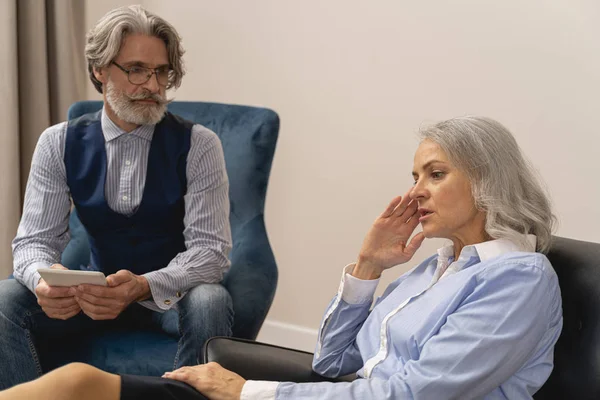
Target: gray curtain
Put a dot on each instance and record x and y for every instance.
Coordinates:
(41, 56)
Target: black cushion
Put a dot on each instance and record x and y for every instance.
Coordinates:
(261, 361)
(576, 373)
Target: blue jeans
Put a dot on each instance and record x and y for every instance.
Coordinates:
(205, 311)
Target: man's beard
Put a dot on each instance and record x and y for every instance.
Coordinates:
(127, 109)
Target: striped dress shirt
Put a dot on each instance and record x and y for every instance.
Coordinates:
(43, 231)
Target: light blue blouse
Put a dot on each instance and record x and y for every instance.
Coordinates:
(481, 327)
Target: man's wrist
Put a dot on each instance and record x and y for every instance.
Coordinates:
(144, 286)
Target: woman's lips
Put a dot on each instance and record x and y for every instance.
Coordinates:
(424, 214)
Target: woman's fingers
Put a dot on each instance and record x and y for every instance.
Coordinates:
(399, 205)
(179, 375)
(412, 219)
(387, 242)
(409, 212)
(414, 244)
(195, 376)
(403, 205)
(391, 207)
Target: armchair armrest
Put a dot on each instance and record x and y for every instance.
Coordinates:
(266, 362)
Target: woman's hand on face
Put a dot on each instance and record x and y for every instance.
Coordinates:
(386, 244)
(212, 380)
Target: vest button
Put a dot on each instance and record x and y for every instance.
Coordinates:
(167, 301)
(178, 294)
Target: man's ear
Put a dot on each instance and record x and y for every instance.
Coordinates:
(100, 74)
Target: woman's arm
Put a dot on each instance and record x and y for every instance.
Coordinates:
(336, 353)
(513, 316)
(385, 246)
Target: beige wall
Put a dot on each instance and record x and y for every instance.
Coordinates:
(352, 82)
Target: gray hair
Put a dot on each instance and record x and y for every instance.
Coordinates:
(103, 41)
(504, 185)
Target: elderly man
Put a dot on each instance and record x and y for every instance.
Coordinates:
(152, 192)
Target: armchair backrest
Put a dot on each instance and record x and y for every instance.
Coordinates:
(576, 373)
(249, 136)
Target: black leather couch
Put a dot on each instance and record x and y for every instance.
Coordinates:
(576, 373)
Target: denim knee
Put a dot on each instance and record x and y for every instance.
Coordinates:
(207, 305)
(207, 295)
(205, 311)
(16, 301)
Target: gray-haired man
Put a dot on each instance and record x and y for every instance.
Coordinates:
(150, 189)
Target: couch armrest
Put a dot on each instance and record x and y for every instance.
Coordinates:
(261, 361)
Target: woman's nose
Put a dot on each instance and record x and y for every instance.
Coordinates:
(417, 191)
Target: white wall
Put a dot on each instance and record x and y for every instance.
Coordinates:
(353, 80)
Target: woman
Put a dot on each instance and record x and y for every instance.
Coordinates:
(479, 319)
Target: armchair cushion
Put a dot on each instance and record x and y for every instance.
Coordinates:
(266, 362)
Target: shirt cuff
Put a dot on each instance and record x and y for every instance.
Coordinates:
(259, 390)
(31, 277)
(164, 288)
(357, 291)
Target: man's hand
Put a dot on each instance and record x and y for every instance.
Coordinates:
(212, 380)
(56, 302)
(99, 302)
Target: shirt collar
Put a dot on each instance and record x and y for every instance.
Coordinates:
(498, 247)
(111, 131)
(489, 249)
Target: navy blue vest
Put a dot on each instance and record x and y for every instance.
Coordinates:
(153, 236)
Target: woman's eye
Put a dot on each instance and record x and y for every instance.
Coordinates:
(437, 175)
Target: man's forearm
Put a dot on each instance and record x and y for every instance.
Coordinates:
(43, 229)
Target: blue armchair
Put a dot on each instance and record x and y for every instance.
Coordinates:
(249, 136)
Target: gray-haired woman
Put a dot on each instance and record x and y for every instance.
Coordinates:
(479, 319)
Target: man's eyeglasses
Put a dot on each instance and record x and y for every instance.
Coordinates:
(139, 75)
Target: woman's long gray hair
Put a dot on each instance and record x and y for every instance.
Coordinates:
(104, 40)
(504, 184)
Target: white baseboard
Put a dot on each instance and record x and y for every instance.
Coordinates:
(288, 335)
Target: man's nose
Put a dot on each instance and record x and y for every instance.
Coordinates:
(152, 84)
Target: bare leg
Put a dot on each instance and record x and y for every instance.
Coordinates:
(71, 382)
